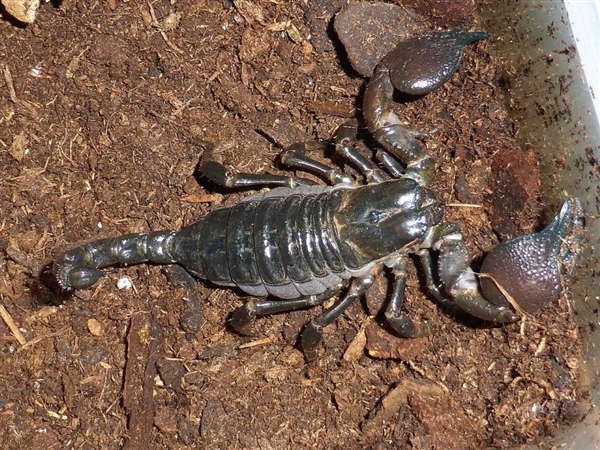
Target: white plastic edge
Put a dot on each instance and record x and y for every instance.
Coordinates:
(584, 16)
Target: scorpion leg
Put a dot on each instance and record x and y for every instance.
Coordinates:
(343, 136)
(458, 278)
(401, 323)
(427, 264)
(218, 174)
(391, 164)
(245, 315)
(295, 156)
(191, 319)
(313, 333)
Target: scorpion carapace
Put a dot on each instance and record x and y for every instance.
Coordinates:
(303, 242)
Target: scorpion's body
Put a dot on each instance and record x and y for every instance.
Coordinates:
(302, 242)
(288, 243)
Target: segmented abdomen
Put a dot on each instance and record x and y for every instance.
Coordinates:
(280, 243)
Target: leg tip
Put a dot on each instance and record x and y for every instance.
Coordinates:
(215, 172)
(310, 339)
(242, 318)
(405, 327)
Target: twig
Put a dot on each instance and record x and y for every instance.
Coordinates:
(72, 67)
(162, 32)
(9, 84)
(509, 298)
(464, 205)
(264, 341)
(40, 338)
(14, 329)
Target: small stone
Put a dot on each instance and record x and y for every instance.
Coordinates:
(124, 283)
(368, 32)
(23, 10)
(92, 355)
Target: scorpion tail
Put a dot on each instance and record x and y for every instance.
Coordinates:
(79, 268)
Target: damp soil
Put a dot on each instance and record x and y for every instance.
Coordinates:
(105, 109)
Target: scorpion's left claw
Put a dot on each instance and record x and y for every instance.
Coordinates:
(531, 268)
(416, 66)
(422, 64)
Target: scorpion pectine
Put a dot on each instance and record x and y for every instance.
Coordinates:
(301, 242)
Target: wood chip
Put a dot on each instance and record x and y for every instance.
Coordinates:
(250, 11)
(356, 348)
(332, 109)
(395, 399)
(14, 329)
(9, 84)
(18, 146)
(95, 327)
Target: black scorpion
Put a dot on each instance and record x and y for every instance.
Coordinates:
(302, 242)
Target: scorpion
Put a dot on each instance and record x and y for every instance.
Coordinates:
(302, 242)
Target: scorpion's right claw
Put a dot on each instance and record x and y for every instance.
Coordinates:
(531, 268)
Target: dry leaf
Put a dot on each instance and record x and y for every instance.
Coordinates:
(294, 34)
(279, 26)
(356, 348)
(17, 148)
(250, 11)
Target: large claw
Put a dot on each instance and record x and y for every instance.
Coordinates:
(532, 268)
(416, 66)
(422, 64)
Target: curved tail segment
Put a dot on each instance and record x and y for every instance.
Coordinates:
(79, 268)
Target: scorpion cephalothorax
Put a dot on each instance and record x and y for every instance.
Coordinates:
(302, 242)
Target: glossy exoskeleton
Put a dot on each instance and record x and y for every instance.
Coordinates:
(301, 243)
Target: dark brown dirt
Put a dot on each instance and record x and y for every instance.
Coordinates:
(103, 107)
